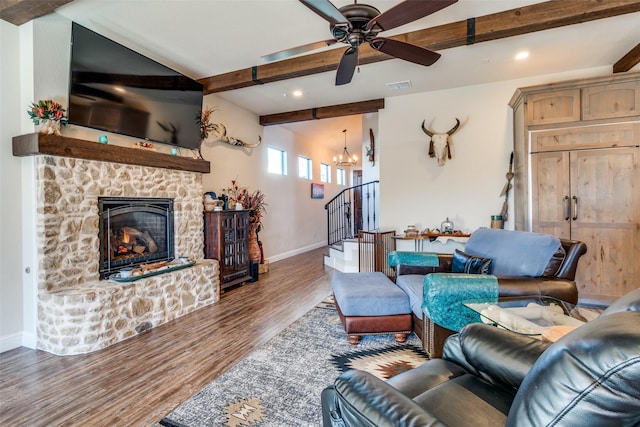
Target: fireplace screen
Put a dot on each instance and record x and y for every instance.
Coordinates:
(134, 231)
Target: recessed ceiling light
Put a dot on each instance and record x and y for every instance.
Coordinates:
(522, 55)
(297, 93)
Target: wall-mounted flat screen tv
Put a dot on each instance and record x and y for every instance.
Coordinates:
(114, 89)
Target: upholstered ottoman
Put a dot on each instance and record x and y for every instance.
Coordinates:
(370, 303)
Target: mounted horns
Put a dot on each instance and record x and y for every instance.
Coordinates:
(430, 133)
(439, 142)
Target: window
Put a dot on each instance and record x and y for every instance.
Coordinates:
(304, 167)
(276, 161)
(325, 172)
(341, 176)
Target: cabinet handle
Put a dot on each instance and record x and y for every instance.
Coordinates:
(567, 204)
(575, 208)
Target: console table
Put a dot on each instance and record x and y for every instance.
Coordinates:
(432, 237)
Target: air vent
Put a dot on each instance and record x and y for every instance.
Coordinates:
(399, 85)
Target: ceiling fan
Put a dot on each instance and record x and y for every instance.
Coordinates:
(356, 24)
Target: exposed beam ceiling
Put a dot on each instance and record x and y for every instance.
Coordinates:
(323, 112)
(19, 12)
(628, 61)
(514, 22)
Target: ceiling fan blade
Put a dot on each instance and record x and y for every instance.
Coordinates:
(282, 54)
(405, 12)
(406, 51)
(326, 9)
(347, 66)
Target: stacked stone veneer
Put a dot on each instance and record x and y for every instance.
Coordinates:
(77, 312)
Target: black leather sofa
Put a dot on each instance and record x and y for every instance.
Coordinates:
(492, 377)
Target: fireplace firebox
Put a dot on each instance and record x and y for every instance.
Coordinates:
(134, 231)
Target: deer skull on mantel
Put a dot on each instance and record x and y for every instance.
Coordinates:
(439, 143)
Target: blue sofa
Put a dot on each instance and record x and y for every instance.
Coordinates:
(522, 263)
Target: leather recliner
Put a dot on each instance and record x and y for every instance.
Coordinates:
(492, 377)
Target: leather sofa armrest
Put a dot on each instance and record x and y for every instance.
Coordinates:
(498, 355)
(574, 250)
(361, 399)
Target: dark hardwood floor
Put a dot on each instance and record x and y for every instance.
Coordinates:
(138, 381)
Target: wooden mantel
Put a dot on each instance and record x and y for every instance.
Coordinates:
(36, 143)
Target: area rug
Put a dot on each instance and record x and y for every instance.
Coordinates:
(280, 383)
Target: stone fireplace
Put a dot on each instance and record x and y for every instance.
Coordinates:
(77, 311)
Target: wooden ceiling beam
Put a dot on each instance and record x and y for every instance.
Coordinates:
(18, 12)
(628, 61)
(510, 23)
(351, 109)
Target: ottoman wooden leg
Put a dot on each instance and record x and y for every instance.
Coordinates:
(400, 338)
(354, 339)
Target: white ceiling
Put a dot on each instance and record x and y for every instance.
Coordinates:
(202, 38)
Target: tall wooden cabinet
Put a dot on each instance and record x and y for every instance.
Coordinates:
(577, 175)
(226, 238)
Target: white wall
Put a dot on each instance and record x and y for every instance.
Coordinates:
(35, 58)
(11, 245)
(415, 190)
(294, 222)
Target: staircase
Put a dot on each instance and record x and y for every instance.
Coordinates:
(351, 210)
(343, 256)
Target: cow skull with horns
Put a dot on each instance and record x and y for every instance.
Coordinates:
(439, 143)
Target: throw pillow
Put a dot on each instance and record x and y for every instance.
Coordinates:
(472, 264)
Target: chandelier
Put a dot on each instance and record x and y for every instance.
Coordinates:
(345, 159)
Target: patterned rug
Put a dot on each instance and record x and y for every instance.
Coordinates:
(280, 383)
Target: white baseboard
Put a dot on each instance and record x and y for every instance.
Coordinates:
(10, 342)
(294, 252)
(19, 339)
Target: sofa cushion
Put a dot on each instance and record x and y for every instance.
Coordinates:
(368, 294)
(472, 264)
(412, 285)
(513, 253)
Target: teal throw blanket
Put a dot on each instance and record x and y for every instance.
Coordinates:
(446, 293)
(419, 259)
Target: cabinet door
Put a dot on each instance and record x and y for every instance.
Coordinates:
(242, 240)
(551, 194)
(606, 216)
(611, 101)
(228, 233)
(553, 107)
